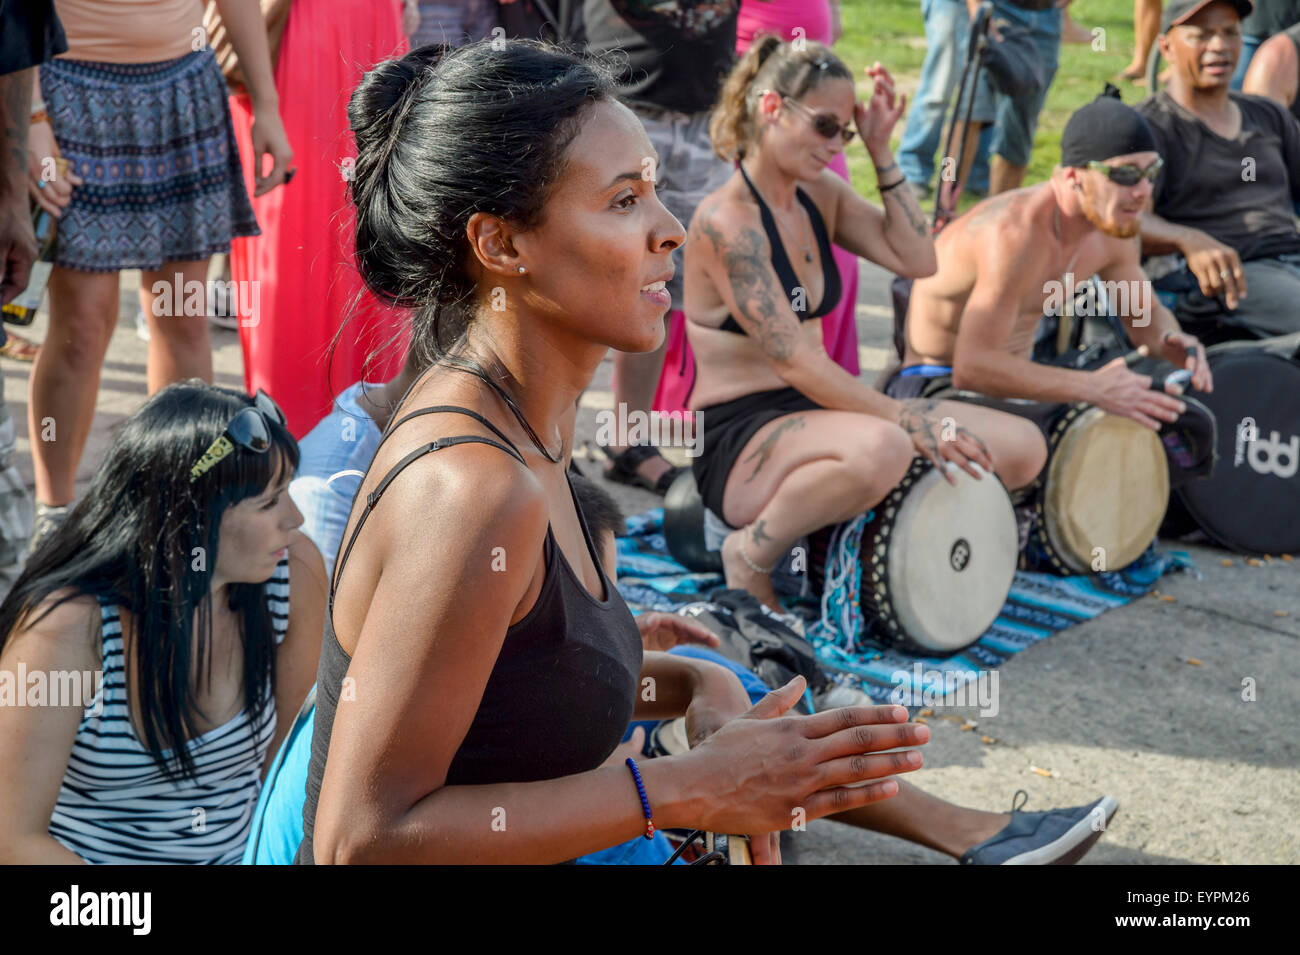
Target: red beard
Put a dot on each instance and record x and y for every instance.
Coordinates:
(1089, 206)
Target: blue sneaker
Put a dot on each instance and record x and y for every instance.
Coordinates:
(1055, 837)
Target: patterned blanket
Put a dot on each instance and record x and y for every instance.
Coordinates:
(1038, 606)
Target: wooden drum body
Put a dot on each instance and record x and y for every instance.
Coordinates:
(1101, 496)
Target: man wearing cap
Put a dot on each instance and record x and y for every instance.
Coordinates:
(1232, 171)
(971, 326)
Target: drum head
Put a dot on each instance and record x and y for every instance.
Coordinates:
(1251, 503)
(1107, 487)
(951, 559)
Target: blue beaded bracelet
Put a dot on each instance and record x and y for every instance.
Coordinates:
(645, 800)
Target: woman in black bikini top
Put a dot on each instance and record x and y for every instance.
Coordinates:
(792, 441)
(478, 667)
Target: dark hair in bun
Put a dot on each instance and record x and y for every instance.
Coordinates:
(442, 134)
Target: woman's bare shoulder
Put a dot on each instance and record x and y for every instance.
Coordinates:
(62, 629)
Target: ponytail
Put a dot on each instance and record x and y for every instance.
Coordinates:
(731, 127)
(769, 64)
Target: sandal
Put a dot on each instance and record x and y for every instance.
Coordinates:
(623, 469)
(19, 348)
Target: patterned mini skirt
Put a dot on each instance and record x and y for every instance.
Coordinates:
(156, 148)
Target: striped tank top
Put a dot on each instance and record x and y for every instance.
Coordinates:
(116, 806)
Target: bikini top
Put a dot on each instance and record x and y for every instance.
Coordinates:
(831, 288)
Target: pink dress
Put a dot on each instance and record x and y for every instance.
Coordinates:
(839, 327)
(303, 262)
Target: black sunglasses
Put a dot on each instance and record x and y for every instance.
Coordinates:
(824, 123)
(1127, 174)
(250, 428)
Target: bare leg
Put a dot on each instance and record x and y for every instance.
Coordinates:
(1071, 32)
(1015, 444)
(927, 820)
(1003, 177)
(179, 346)
(65, 377)
(1146, 24)
(799, 473)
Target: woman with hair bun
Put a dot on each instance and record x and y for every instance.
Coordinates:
(794, 442)
(478, 668)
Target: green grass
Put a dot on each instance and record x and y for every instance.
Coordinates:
(892, 32)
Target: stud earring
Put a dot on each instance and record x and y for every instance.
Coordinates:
(522, 270)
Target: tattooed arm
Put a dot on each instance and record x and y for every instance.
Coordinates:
(897, 239)
(737, 257)
(17, 241)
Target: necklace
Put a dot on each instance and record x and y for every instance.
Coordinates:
(473, 368)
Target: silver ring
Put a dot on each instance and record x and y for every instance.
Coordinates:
(1224, 274)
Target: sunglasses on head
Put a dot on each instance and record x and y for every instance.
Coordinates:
(1127, 174)
(250, 428)
(824, 123)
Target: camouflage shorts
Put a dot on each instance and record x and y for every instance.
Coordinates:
(15, 505)
(688, 170)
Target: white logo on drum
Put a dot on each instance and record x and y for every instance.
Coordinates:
(959, 556)
(1274, 457)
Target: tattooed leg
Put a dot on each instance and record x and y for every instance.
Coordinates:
(764, 450)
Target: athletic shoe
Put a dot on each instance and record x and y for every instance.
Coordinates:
(1055, 837)
(48, 519)
(141, 325)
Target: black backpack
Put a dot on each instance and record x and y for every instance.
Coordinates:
(757, 640)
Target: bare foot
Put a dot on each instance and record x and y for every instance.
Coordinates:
(1134, 71)
(743, 577)
(1071, 32)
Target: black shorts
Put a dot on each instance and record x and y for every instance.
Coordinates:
(901, 386)
(726, 428)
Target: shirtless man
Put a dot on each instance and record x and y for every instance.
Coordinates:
(971, 325)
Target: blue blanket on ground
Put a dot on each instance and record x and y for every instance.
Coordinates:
(1038, 606)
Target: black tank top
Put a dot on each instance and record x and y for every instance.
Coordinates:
(831, 288)
(563, 688)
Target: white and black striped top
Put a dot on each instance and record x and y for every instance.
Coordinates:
(116, 806)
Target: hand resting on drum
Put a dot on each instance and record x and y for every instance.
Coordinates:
(1115, 388)
(940, 442)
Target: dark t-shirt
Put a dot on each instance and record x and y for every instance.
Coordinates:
(679, 51)
(1240, 190)
(1271, 16)
(30, 34)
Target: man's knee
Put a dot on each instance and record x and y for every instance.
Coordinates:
(1028, 453)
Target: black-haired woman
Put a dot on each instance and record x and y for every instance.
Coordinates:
(794, 442)
(182, 579)
(478, 667)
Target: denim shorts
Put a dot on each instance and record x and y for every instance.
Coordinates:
(1017, 116)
